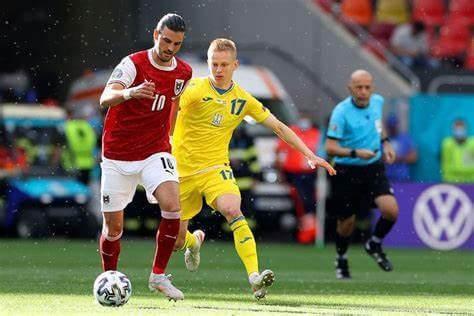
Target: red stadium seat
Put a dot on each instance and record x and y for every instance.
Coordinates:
(430, 12)
(357, 11)
(382, 32)
(469, 61)
(454, 40)
(462, 10)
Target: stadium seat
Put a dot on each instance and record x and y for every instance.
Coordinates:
(392, 11)
(469, 61)
(356, 12)
(430, 12)
(382, 32)
(454, 40)
(462, 11)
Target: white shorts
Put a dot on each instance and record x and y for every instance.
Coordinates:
(120, 179)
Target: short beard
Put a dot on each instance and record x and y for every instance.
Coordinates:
(157, 51)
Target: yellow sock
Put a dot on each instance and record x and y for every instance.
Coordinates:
(190, 241)
(245, 244)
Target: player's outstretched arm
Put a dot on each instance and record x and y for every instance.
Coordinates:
(287, 135)
(115, 93)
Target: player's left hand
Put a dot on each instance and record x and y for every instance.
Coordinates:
(316, 161)
(388, 153)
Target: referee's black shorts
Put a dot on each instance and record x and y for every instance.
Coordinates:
(355, 188)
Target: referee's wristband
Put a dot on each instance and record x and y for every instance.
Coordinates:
(353, 153)
(385, 139)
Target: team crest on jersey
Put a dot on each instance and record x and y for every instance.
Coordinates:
(217, 119)
(178, 86)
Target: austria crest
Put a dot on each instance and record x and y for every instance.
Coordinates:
(178, 86)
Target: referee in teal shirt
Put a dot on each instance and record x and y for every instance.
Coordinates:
(357, 140)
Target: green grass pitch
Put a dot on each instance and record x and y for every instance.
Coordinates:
(55, 278)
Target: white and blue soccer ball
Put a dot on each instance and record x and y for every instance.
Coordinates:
(112, 288)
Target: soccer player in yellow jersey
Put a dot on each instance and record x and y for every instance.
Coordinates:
(209, 111)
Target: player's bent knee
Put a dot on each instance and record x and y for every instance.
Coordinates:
(112, 230)
(231, 212)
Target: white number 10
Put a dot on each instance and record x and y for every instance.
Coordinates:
(158, 103)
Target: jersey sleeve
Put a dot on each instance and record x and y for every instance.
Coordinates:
(124, 73)
(256, 110)
(336, 124)
(186, 83)
(188, 96)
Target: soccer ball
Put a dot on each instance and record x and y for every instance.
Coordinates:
(112, 288)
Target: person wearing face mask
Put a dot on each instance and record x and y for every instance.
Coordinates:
(457, 155)
(298, 174)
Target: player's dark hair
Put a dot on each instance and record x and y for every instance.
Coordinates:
(173, 22)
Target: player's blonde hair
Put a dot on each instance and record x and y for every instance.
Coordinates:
(222, 45)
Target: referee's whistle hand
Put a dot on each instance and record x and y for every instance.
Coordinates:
(316, 161)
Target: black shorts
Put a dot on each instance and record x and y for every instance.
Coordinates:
(355, 188)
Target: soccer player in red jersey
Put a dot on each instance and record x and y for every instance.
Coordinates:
(136, 149)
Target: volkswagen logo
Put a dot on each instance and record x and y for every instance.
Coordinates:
(443, 217)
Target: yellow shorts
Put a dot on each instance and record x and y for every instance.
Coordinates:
(210, 185)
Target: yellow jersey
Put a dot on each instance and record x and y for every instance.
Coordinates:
(205, 123)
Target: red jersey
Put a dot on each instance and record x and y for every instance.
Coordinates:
(290, 159)
(138, 128)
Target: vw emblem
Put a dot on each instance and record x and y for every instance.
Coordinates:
(443, 217)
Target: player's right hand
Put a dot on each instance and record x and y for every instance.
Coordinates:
(316, 161)
(365, 153)
(146, 90)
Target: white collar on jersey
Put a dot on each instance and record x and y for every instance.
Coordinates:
(165, 68)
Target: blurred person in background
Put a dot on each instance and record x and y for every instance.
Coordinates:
(210, 110)
(79, 154)
(140, 96)
(409, 42)
(12, 159)
(405, 151)
(301, 176)
(358, 141)
(457, 155)
(246, 169)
